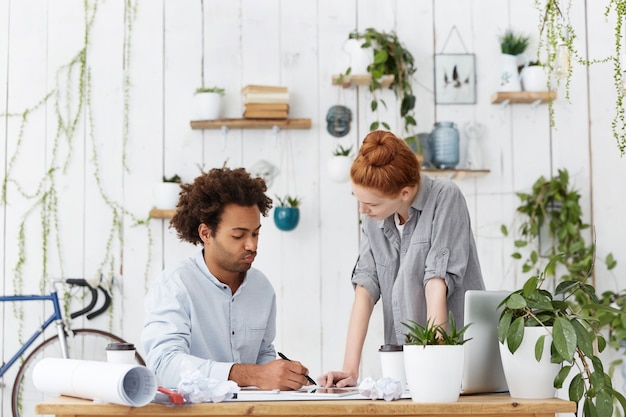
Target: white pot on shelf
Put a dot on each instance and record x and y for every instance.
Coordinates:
(510, 79)
(358, 58)
(207, 106)
(534, 79)
(165, 195)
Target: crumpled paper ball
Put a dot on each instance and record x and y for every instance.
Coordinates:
(196, 388)
(387, 389)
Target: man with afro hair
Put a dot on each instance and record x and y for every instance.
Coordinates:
(214, 312)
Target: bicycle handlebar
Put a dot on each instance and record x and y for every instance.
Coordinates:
(81, 282)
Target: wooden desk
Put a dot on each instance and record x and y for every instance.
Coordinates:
(474, 405)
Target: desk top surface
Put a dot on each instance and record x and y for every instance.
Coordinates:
(467, 404)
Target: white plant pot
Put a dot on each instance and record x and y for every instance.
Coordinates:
(339, 168)
(165, 195)
(434, 373)
(207, 106)
(358, 59)
(526, 377)
(534, 79)
(509, 76)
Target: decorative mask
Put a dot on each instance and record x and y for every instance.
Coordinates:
(338, 121)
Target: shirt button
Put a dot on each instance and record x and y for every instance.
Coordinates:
(233, 333)
(403, 250)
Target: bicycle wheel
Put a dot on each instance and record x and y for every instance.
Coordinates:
(85, 344)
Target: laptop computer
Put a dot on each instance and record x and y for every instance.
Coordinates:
(482, 371)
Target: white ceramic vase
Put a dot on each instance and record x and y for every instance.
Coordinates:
(434, 373)
(165, 195)
(510, 79)
(207, 106)
(358, 59)
(534, 79)
(525, 376)
(339, 168)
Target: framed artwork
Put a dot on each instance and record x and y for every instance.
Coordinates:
(455, 79)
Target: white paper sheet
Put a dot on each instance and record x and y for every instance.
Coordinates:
(116, 383)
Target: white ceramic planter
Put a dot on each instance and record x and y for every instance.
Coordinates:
(207, 106)
(434, 373)
(358, 59)
(509, 76)
(534, 79)
(339, 168)
(526, 377)
(165, 195)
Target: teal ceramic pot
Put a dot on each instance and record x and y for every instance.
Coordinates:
(443, 145)
(286, 218)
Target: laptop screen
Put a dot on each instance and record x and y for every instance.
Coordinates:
(483, 368)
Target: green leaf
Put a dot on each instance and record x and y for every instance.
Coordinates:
(604, 404)
(539, 347)
(576, 388)
(504, 324)
(560, 377)
(515, 334)
(584, 338)
(515, 301)
(564, 338)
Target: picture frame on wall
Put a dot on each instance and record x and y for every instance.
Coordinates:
(455, 79)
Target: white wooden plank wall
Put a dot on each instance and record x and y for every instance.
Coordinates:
(177, 46)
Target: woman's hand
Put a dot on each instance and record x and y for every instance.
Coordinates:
(339, 379)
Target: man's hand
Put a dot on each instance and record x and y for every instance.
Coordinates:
(281, 374)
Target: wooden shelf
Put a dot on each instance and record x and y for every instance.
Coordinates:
(349, 80)
(527, 97)
(162, 213)
(251, 123)
(455, 173)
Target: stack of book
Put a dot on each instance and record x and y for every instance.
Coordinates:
(265, 102)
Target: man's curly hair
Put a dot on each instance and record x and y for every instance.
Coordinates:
(203, 200)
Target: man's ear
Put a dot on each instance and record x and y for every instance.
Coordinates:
(204, 232)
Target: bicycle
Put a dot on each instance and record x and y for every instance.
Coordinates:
(82, 343)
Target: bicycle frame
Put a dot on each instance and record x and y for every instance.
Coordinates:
(55, 317)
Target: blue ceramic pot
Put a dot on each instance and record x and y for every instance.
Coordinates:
(444, 145)
(286, 218)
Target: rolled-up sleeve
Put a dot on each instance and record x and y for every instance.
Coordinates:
(364, 273)
(450, 239)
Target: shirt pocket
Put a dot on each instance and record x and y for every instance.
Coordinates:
(255, 332)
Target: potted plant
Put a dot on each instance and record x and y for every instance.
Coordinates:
(339, 164)
(552, 224)
(433, 360)
(389, 57)
(166, 192)
(534, 77)
(512, 46)
(287, 213)
(571, 336)
(208, 102)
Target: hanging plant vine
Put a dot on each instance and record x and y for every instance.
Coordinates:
(556, 44)
(44, 199)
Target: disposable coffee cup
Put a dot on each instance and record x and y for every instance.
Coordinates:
(121, 353)
(392, 363)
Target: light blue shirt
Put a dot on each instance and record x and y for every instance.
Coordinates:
(437, 241)
(193, 321)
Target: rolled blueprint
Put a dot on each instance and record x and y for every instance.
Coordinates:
(116, 383)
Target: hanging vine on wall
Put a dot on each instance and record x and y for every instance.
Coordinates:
(70, 99)
(557, 51)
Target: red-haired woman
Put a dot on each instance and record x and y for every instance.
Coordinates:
(417, 249)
